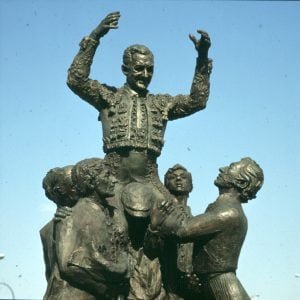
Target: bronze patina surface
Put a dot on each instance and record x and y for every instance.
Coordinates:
(119, 232)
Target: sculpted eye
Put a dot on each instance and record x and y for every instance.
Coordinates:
(150, 69)
(138, 68)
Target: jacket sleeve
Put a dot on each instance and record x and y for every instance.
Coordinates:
(184, 105)
(89, 90)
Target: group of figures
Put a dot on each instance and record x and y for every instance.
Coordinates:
(119, 232)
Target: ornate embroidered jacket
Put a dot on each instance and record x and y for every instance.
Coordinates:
(130, 120)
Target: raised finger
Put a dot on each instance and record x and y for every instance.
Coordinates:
(193, 38)
(165, 207)
(202, 32)
(115, 13)
(163, 203)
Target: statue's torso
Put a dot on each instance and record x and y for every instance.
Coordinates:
(129, 121)
(219, 252)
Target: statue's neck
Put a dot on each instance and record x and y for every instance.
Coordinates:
(182, 199)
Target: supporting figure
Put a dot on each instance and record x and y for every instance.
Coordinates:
(133, 120)
(219, 233)
(176, 257)
(60, 189)
(91, 243)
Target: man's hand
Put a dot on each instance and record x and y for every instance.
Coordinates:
(109, 22)
(202, 45)
(160, 213)
(61, 213)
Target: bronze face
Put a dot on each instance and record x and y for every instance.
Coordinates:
(105, 184)
(179, 182)
(229, 174)
(139, 72)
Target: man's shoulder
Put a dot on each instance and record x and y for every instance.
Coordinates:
(161, 102)
(229, 210)
(84, 205)
(83, 213)
(47, 229)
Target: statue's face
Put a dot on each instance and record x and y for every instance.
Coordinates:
(228, 174)
(179, 182)
(105, 184)
(139, 72)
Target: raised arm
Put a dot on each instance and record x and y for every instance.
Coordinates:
(184, 105)
(78, 76)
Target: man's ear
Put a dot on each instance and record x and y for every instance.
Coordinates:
(241, 183)
(125, 70)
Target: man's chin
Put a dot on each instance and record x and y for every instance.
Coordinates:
(142, 88)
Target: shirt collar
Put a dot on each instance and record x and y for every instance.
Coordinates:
(131, 92)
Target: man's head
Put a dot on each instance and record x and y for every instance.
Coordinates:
(138, 63)
(245, 176)
(178, 180)
(93, 175)
(59, 187)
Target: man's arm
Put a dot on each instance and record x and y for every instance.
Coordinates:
(208, 223)
(46, 234)
(203, 224)
(168, 222)
(78, 75)
(184, 105)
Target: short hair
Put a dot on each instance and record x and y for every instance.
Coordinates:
(84, 174)
(131, 50)
(54, 183)
(173, 169)
(251, 173)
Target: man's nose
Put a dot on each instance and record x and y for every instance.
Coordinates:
(145, 73)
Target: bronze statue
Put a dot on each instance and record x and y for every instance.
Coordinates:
(118, 232)
(146, 280)
(177, 257)
(60, 189)
(219, 233)
(133, 120)
(91, 243)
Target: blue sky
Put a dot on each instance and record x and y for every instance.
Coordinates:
(253, 111)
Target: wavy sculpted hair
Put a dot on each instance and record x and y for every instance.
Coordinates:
(131, 50)
(253, 175)
(54, 183)
(84, 174)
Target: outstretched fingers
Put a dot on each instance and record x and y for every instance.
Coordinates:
(112, 20)
(204, 36)
(193, 39)
(166, 207)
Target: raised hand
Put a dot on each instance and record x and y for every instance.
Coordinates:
(109, 22)
(201, 45)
